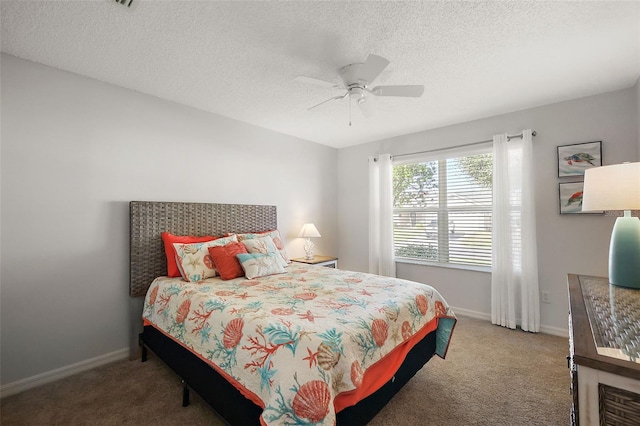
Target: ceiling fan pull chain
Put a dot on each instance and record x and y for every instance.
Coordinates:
(349, 109)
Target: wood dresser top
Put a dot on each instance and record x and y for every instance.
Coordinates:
(591, 322)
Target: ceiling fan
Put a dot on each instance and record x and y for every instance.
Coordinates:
(356, 82)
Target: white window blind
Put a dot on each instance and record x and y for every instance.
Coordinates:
(442, 207)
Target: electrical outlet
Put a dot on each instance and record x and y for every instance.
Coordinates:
(546, 297)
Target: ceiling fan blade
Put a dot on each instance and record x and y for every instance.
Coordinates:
(366, 107)
(314, 81)
(411, 91)
(335, 98)
(372, 68)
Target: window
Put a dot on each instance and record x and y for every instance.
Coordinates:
(442, 208)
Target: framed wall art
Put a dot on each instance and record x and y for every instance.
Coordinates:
(574, 159)
(571, 198)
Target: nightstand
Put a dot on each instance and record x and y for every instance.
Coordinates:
(328, 261)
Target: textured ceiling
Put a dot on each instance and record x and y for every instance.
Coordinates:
(239, 59)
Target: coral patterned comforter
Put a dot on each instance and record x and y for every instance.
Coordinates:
(295, 343)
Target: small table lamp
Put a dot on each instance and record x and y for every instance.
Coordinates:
(308, 231)
(617, 187)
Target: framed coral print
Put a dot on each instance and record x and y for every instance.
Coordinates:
(571, 198)
(574, 159)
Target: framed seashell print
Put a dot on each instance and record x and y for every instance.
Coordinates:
(574, 159)
(571, 198)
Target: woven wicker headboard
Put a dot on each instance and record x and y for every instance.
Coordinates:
(148, 219)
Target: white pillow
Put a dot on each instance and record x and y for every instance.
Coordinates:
(257, 265)
(193, 259)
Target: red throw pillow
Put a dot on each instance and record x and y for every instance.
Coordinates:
(227, 264)
(168, 239)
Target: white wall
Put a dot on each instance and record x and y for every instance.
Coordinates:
(75, 151)
(638, 115)
(566, 243)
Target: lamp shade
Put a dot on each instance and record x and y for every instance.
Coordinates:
(614, 187)
(309, 230)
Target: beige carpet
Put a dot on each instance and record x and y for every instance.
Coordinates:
(492, 376)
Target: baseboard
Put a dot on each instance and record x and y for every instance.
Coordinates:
(472, 314)
(62, 372)
(554, 331)
(69, 370)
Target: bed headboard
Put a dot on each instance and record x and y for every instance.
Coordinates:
(148, 219)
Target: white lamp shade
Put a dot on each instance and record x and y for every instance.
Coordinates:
(614, 187)
(309, 230)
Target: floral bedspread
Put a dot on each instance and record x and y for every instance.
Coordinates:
(296, 340)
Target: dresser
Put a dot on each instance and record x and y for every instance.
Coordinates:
(604, 352)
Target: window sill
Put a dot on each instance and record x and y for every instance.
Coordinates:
(486, 269)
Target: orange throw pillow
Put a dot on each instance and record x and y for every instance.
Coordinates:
(227, 264)
(168, 239)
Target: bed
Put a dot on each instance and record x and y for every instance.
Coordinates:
(311, 345)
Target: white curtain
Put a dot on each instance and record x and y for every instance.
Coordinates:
(514, 278)
(381, 258)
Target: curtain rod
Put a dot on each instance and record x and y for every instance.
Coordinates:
(534, 133)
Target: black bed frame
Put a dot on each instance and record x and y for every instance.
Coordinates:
(235, 409)
(147, 261)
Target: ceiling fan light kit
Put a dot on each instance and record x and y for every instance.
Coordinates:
(356, 79)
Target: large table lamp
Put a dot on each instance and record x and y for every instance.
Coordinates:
(309, 231)
(617, 187)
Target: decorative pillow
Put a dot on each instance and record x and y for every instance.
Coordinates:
(257, 265)
(263, 245)
(277, 241)
(169, 239)
(194, 261)
(225, 260)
